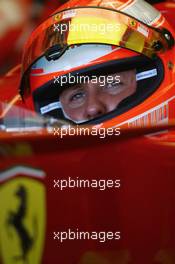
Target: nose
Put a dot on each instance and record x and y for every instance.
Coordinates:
(94, 107)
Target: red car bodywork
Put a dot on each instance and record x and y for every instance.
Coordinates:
(142, 209)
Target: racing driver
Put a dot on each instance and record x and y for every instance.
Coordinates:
(128, 45)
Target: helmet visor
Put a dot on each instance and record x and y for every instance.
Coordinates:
(91, 25)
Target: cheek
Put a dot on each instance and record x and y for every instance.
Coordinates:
(131, 89)
(112, 101)
(73, 113)
(133, 86)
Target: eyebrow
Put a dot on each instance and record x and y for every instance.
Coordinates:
(75, 86)
(83, 85)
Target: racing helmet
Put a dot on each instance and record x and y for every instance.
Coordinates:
(123, 42)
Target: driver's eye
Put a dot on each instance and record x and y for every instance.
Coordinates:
(77, 96)
(114, 84)
(114, 87)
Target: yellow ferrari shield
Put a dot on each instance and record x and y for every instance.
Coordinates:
(22, 221)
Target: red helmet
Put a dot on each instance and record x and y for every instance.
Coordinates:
(101, 62)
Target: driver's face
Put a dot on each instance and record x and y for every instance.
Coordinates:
(86, 101)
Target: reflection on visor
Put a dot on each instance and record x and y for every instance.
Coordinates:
(92, 25)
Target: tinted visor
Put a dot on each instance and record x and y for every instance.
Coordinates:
(90, 25)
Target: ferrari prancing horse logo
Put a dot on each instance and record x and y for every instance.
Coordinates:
(15, 220)
(22, 221)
